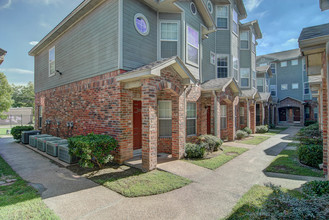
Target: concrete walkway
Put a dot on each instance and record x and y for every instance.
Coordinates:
(211, 196)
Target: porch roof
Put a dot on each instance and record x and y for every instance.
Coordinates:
(154, 69)
(250, 94)
(264, 69)
(220, 84)
(315, 80)
(288, 97)
(265, 96)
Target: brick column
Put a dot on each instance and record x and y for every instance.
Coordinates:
(248, 113)
(178, 127)
(149, 125)
(231, 121)
(253, 117)
(261, 113)
(325, 115)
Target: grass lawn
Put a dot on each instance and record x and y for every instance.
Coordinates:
(228, 154)
(287, 162)
(275, 131)
(20, 201)
(255, 140)
(132, 182)
(3, 131)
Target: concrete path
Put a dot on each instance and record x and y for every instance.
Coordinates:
(211, 196)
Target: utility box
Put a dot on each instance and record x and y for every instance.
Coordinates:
(63, 154)
(52, 146)
(41, 142)
(33, 139)
(26, 135)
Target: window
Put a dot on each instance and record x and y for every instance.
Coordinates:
(294, 62)
(210, 7)
(267, 84)
(283, 63)
(294, 86)
(235, 21)
(165, 118)
(193, 8)
(192, 46)
(306, 88)
(223, 117)
(222, 66)
(236, 68)
(222, 17)
(191, 118)
(263, 64)
(253, 43)
(141, 24)
(242, 115)
(254, 79)
(212, 58)
(40, 116)
(284, 86)
(52, 68)
(244, 40)
(307, 112)
(169, 39)
(273, 89)
(273, 68)
(260, 85)
(245, 77)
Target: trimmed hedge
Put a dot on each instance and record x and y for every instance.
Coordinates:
(311, 155)
(248, 130)
(262, 129)
(194, 150)
(308, 123)
(316, 188)
(16, 131)
(211, 142)
(310, 135)
(93, 149)
(241, 134)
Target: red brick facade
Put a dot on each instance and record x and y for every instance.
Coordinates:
(325, 114)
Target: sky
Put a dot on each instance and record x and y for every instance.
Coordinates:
(23, 23)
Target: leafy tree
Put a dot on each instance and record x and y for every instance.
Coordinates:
(23, 96)
(5, 95)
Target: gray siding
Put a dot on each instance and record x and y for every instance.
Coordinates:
(208, 70)
(88, 49)
(245, 59)
(170, 16)
(138, 50)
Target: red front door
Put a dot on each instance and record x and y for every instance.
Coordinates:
(137, 124)
(208, 120)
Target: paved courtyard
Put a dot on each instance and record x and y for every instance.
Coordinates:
(212, 194)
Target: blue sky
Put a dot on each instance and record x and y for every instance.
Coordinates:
(25, 22)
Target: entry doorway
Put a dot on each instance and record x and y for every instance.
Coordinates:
(137, 124)
(296, 115)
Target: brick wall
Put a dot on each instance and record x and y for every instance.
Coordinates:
(325, 114)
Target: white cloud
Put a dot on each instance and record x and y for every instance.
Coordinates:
(33, 43)
(290, 43)
(252, 4)
(46, 2)
(44, 24)
(6, 5)
(16, 70)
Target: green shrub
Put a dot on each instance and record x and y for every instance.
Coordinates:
(241, 134)
(272, 126)
(92, 149)
(16, 131)
(311, 155)
(307, 123)
(310, 135)
(212, 143)
(261, 129)
(194, 150)
(248, 130)
(316, 188)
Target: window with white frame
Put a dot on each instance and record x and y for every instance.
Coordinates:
(254, 79)
(223, 117)
(222, 66)
(253, 43)
(52, 68)
(283, 63)
(193, 8)
(191, 117)
(40, 116)
(306, 88)
(210, 7)
(294, 86)
(192, 46)
(169, 39)
(284, 86)
(294, 62)
(260, 84)
(267, 85)
(222, 16)
(236, 68)
(142, 25)
(165, 118)
(245, 77)
(273, 68)
(212, 58)
(235, 21)
(242, 115)
(273, 90)
(244, 40)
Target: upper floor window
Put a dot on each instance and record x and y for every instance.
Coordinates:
(236, 68)
(141, 24)
(212, 58)
(210, 7)
(193, 8)
(283, 63)
(192, 47)
(191, 117)
(254, 79)
(273, 68)
(244, 40)
(52, 68)
(284, 86)
(165, 118)
(253, 48)
(294, 86)
(235, 21)
(306, 88)
(260, 84)
(245, 77)
(222, 16)
(222, 66)
(169, 39)
(273, 89)
(294, 62)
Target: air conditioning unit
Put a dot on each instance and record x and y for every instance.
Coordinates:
(64, 155)
(26, 135)
(33, 139)
(41, 142)
(52, 147)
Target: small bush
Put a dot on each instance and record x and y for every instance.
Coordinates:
(241, 134)
(310, 135)
(194, 150)
(16, 131)
(211, 143)
(308, 123)
(248, 130)
(316, 188)
(311, 155)
(92, 149)
(261, 129)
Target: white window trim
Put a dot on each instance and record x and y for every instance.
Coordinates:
(186, 47)
(294, 64)
(146, 21)
(170, 103)
(196, 10)
(245, 78)
(178, 36)
(212, 7)
(276, 90)
(213, 54)
(281, 64)
(228, 64)
(309, 89)
(292, 86)
(228, 15)
(237, 24)
(237, 69)
(248, 34)
(284, 84)
(196, 117)
(274, 67)
(254, 79)
(49, 74)
(253, 43)
(221, 116)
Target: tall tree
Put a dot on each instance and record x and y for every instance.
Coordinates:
(5, 95)
(23, 96)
